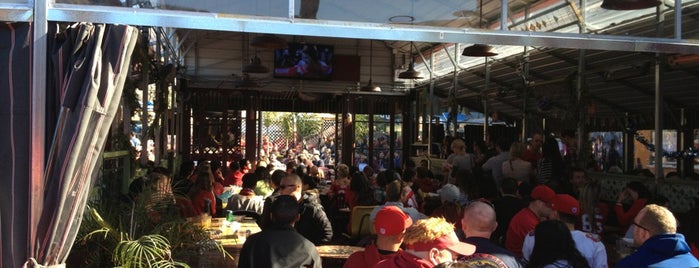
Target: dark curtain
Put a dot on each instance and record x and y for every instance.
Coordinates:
(88, 68)
(92, 63)
(15, 89)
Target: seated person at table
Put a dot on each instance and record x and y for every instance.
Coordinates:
(390, 224)
(279, 245)
(313, 223)
(659, 244)
(202, 195)
(396, 194)
(246, 199)
(429, 242)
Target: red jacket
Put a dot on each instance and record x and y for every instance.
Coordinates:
(367, 258)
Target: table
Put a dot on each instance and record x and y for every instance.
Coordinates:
(335, 255)
(231, 240)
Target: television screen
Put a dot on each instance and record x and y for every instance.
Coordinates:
(304, 61)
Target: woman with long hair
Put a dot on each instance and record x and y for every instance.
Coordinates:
(594, 211)
(550, 166)
(554, 247)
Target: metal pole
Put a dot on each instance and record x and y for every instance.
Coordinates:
(525, 72)
(503, 15)
(485, 99)
(37, 150)
(659, 173)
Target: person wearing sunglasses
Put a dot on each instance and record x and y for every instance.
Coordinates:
(428, 242)
(655, 233)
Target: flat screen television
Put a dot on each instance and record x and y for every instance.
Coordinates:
(304, 61)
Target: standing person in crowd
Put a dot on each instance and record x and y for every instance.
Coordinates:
(659, 244)
(540, 208)
(550, 166)
(396, 194)
(458, 160)
(578, 179)
(279, 245)
(478, 224)
(494, 164)
(507, 206)
(554, 247)
(533, 153)
(567, 210)
(516, 167)
(635, 193)
(339, 187)
(594, 211)
(428, 242)
(390, 225)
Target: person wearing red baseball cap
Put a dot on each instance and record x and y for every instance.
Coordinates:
(567, 209)
(390, 224)
(540, 207)
(428, 242)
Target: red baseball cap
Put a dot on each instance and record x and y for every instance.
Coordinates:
(543, 193)
(391, 220)
(449, 241)
(567, 204)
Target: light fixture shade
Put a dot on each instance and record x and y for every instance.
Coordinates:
(410, 73)
(255, 67)
(371, 87)
(479, 50)
(629, 4)
(268, 41)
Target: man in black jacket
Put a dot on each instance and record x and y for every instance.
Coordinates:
(279, 245)
(313, 224)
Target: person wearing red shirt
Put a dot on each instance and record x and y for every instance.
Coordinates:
(540, 207)
(637, 194)
(533, 153)
(428, 242)
(201, 192)
(390, 224)
(235, 176)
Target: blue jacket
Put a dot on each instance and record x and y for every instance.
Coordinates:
(666, 250)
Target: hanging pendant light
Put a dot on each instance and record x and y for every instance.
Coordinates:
(410, 73)
(479, 50)
(268, 41)
(255, 66)
(370, 86)
(629, 4)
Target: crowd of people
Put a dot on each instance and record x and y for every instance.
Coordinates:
(510, 204)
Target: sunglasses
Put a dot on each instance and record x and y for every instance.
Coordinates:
(639, 226)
